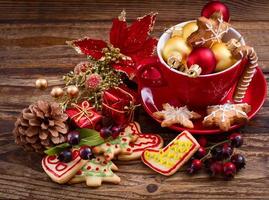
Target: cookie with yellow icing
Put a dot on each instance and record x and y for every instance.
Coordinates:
(168, 160)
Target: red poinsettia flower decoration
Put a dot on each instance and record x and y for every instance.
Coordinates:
(134, 41)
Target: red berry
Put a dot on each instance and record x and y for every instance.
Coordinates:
(217, 153)
(116, 131)
(239, 161)
(216, 168)
(236, 140)
(105, 132)
(229, 169)
(227, 150)
(202, 141)
(85, 153)
(65, 156)
(73, 137)
(195, 166)
(201, 152)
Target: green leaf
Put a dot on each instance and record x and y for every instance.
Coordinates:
(85, 132)
(90, 137)
(57, 149)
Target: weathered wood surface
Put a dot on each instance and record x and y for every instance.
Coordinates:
(32, 45)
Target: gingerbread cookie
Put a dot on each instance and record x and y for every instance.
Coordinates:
(174, 115)
(95, 172)
(143, 142)
(62, 172)
(209, 31)
(224, 116)
(119, 145)
(168, 160)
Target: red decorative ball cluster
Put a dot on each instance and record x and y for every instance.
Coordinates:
(220, 158)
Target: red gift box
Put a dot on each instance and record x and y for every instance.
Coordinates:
(84, 115)
(119, 103)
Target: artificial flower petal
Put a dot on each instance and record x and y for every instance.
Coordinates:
(89, 47)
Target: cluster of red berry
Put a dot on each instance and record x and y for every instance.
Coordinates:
(73, 139)
(108, 129)
(220, 158)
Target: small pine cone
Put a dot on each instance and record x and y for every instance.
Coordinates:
(40, 126)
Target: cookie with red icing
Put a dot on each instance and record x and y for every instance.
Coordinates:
(61, 172)
(168, 160)
(95, 172)
(119, 145)
(143, 142)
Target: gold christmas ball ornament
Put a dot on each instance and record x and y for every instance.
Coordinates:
(41, 84)
(72, 91)
(223, 56)
(56, 92)
(177, 32)
(175, 44)
(188, 29)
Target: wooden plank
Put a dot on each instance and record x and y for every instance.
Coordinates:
(60, 10)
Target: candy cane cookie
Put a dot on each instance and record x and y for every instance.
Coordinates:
(248, 73)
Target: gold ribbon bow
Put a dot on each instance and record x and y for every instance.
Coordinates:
(85, 110)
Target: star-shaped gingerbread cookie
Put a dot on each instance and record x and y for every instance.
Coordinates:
(174, 115)
(224, 116)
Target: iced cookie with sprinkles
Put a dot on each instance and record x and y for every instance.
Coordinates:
(61, 172)
(168, 160)
(95, 172)
(119, 145)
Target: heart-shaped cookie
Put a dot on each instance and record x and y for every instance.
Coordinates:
(61, 172)
(168, 160)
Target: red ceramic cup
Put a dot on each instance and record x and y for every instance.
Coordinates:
(201, 91)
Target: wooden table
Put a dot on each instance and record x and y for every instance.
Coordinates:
(32, 44)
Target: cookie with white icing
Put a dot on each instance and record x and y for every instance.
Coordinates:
(224, 116)
(61, 172)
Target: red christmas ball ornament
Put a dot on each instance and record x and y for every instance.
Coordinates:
(215, 6)
(204, 57)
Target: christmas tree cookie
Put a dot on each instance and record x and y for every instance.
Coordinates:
(95, 172)
(168, 160)
(119, 145)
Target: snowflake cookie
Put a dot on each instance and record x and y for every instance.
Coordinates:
(224, 116)
(174, 115)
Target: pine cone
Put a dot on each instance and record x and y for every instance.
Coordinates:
(41, 125)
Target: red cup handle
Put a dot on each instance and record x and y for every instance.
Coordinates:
(149, 72)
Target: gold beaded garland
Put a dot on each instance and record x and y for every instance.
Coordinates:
(41, 84)
(56, 92)
(72, 91)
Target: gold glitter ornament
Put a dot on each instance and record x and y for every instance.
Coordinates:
(57, 92)
(72, 91)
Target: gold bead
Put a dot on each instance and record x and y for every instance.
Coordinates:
(41, 84)
(56, 92)
(72, 91)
